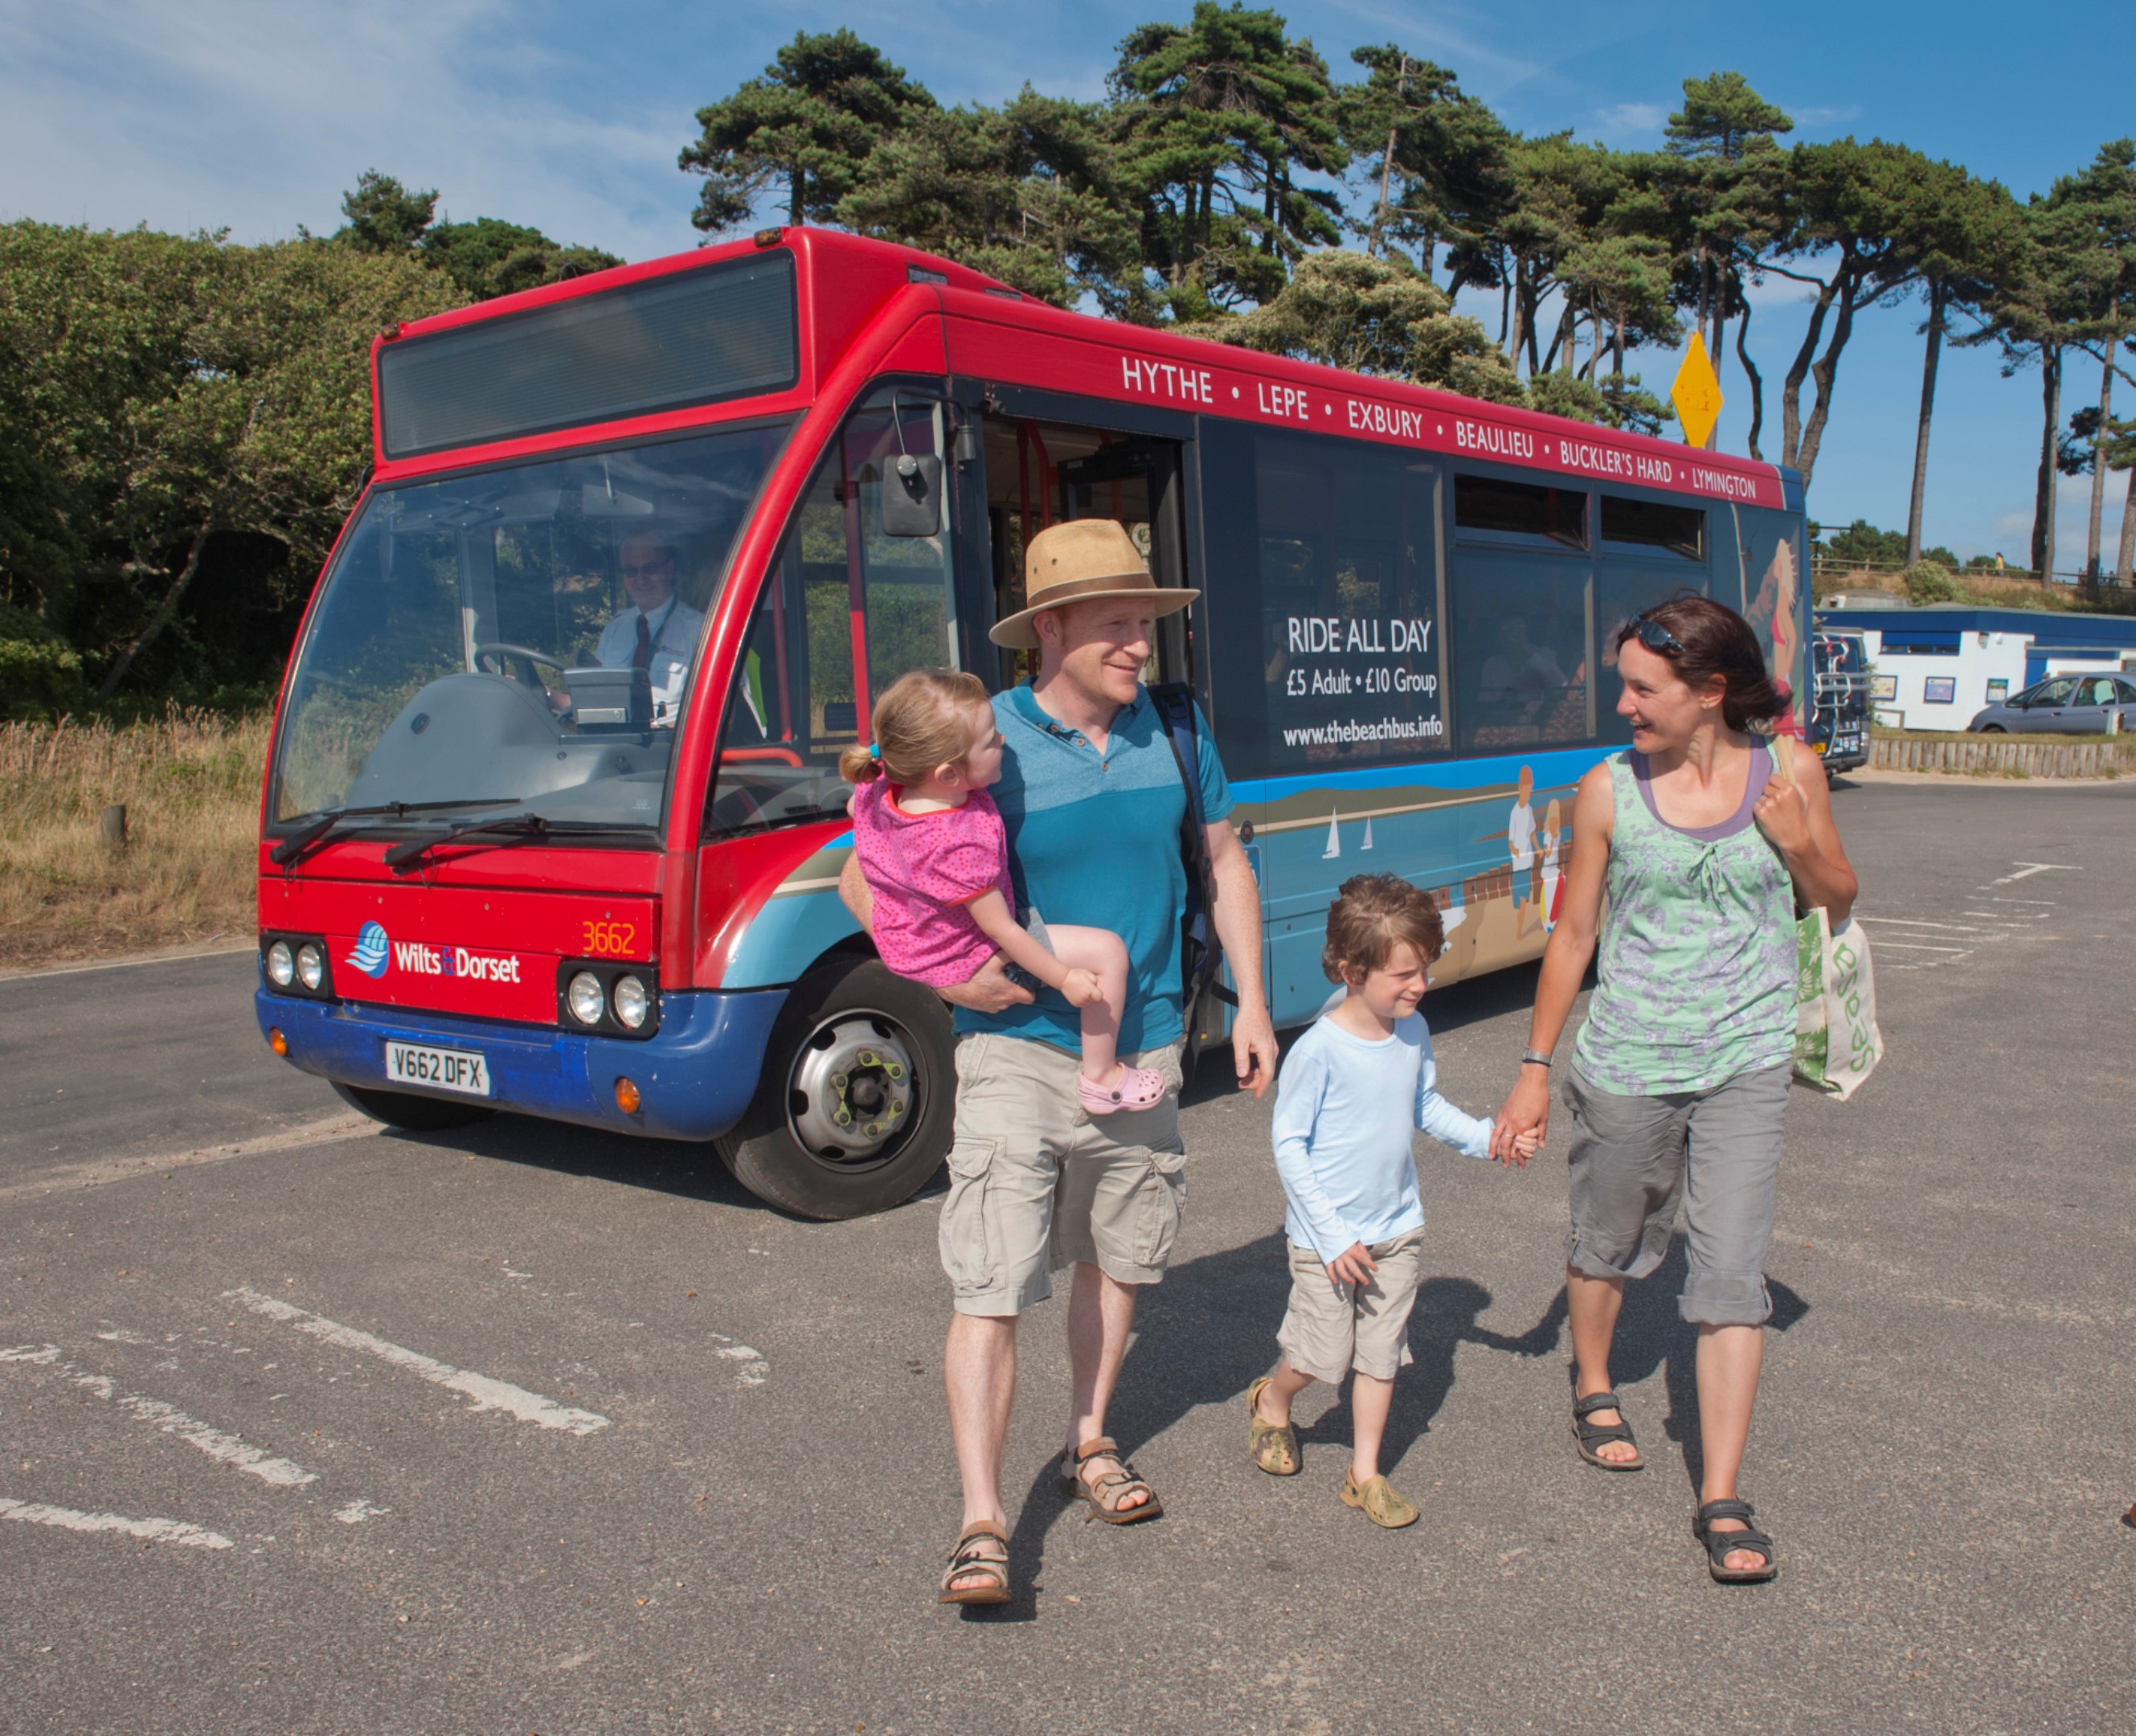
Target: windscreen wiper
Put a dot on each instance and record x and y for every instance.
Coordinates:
(510, 826)
(295, 848)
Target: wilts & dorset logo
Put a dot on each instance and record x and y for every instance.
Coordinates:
(374, 952)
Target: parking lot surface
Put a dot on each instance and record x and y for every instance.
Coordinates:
(308, 1427)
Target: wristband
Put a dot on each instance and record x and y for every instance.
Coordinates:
(1534, 1057)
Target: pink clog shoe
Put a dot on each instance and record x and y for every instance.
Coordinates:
(1138, 1088)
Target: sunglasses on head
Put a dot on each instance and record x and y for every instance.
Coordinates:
(1656, 637)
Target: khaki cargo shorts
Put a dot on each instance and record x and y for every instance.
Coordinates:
(1330, 1328)
(1036, 1183)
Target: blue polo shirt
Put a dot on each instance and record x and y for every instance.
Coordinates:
(1093, 839)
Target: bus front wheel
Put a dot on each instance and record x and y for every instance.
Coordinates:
(851, 1113)
(405, 1110)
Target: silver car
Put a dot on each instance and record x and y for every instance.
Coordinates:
(2064, 705)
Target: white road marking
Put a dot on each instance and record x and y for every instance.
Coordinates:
(757, 1369)
(230, 1449)
(2025, 870)
(1915, 922)
(99, 1171)
(1920, 946)
(2045, 903)
(356, 1511)
(148, 1530)
(481, 1391)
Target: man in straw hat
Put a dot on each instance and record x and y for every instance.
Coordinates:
(1091, 799)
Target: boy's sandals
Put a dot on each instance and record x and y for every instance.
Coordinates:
(972, 1561)
(1377, 1501)
(1274, 1445)
(1589, 1435)
(1720, 1545)
(1105, 1490)
(1136, 1088)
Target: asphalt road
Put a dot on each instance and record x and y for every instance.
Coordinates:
(304, 1428)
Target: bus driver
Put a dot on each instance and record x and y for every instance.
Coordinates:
(658, 632)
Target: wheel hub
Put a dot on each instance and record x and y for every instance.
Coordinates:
(851, 1093)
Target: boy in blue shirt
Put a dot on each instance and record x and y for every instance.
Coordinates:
(1350, 1095)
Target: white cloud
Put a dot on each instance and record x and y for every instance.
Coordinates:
(1815, 114)
(256, 115)
(1632, 118)
(2013, 528)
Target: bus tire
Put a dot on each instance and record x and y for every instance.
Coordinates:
(856, 1041)
(405, 1110)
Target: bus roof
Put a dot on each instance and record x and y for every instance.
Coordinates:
(846, 284)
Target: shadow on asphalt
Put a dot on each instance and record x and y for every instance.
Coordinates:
(686, 1169)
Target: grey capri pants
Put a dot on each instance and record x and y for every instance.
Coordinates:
(1716, 1151)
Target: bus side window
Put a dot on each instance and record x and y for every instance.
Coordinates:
(1324, 556)
(1651, 552)
(1523, 616)
(844, 611)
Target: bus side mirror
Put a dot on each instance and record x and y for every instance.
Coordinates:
(912, 495)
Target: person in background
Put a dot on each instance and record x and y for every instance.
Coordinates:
(1680, 1074)
(658, 632)
(1352, 1091)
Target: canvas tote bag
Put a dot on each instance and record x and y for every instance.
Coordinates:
(1836, 1041)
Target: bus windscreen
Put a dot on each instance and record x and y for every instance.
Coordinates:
(668, 342)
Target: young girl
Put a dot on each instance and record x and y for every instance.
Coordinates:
(929, 842)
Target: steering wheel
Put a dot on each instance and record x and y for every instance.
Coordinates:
(526, 656)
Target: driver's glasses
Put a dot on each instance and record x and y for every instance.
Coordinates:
(645, 569)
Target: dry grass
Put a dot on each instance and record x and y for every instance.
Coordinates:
(190, 785)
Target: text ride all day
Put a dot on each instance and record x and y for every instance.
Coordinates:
(1392, 638)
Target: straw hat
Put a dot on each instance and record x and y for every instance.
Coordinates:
(1076, 562)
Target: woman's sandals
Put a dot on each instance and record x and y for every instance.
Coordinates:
(1720, 1545)
(1274, 1445)
(1105, 1490)
(968, 1560)
(1592, 1435)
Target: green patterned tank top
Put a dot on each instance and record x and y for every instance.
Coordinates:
(1695, 980)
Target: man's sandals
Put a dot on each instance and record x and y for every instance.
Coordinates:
(972, 1560)
(1104, 1490)
(1720, 1545)
(1591, 1436)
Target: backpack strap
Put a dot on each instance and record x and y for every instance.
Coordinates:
(1202, 953)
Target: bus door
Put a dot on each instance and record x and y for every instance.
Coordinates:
(1044, 470)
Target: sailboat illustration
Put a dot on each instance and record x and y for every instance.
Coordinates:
(1334, 838)
(1367, 844)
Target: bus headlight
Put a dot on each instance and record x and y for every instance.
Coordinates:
(311, 966)
(281, 965)
(631, 1003)
(585, 998)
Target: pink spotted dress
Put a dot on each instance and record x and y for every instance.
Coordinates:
(925, 870)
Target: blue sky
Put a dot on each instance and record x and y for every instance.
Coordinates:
(255, 114)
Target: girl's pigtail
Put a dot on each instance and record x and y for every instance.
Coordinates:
(859, 764)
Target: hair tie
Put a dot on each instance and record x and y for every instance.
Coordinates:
(875, 750)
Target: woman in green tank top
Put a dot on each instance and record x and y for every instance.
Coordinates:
(1679, 1076)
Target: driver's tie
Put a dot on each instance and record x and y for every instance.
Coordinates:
(642, 658)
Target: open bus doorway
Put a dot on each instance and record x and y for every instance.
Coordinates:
(1041, 473)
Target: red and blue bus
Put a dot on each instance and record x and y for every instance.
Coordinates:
(553, 822)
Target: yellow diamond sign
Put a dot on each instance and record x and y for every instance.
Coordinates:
(1697, 393)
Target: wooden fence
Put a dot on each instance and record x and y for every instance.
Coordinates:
(2103, 758)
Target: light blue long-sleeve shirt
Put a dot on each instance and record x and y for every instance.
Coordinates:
(1346, 1113)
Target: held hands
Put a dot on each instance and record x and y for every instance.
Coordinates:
(1519, 1133)
(1355, 1265)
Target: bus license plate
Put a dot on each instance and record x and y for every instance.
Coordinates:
(407, 1063)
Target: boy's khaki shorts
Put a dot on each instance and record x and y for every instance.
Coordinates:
(1331, 1329)
(1037, 1182)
